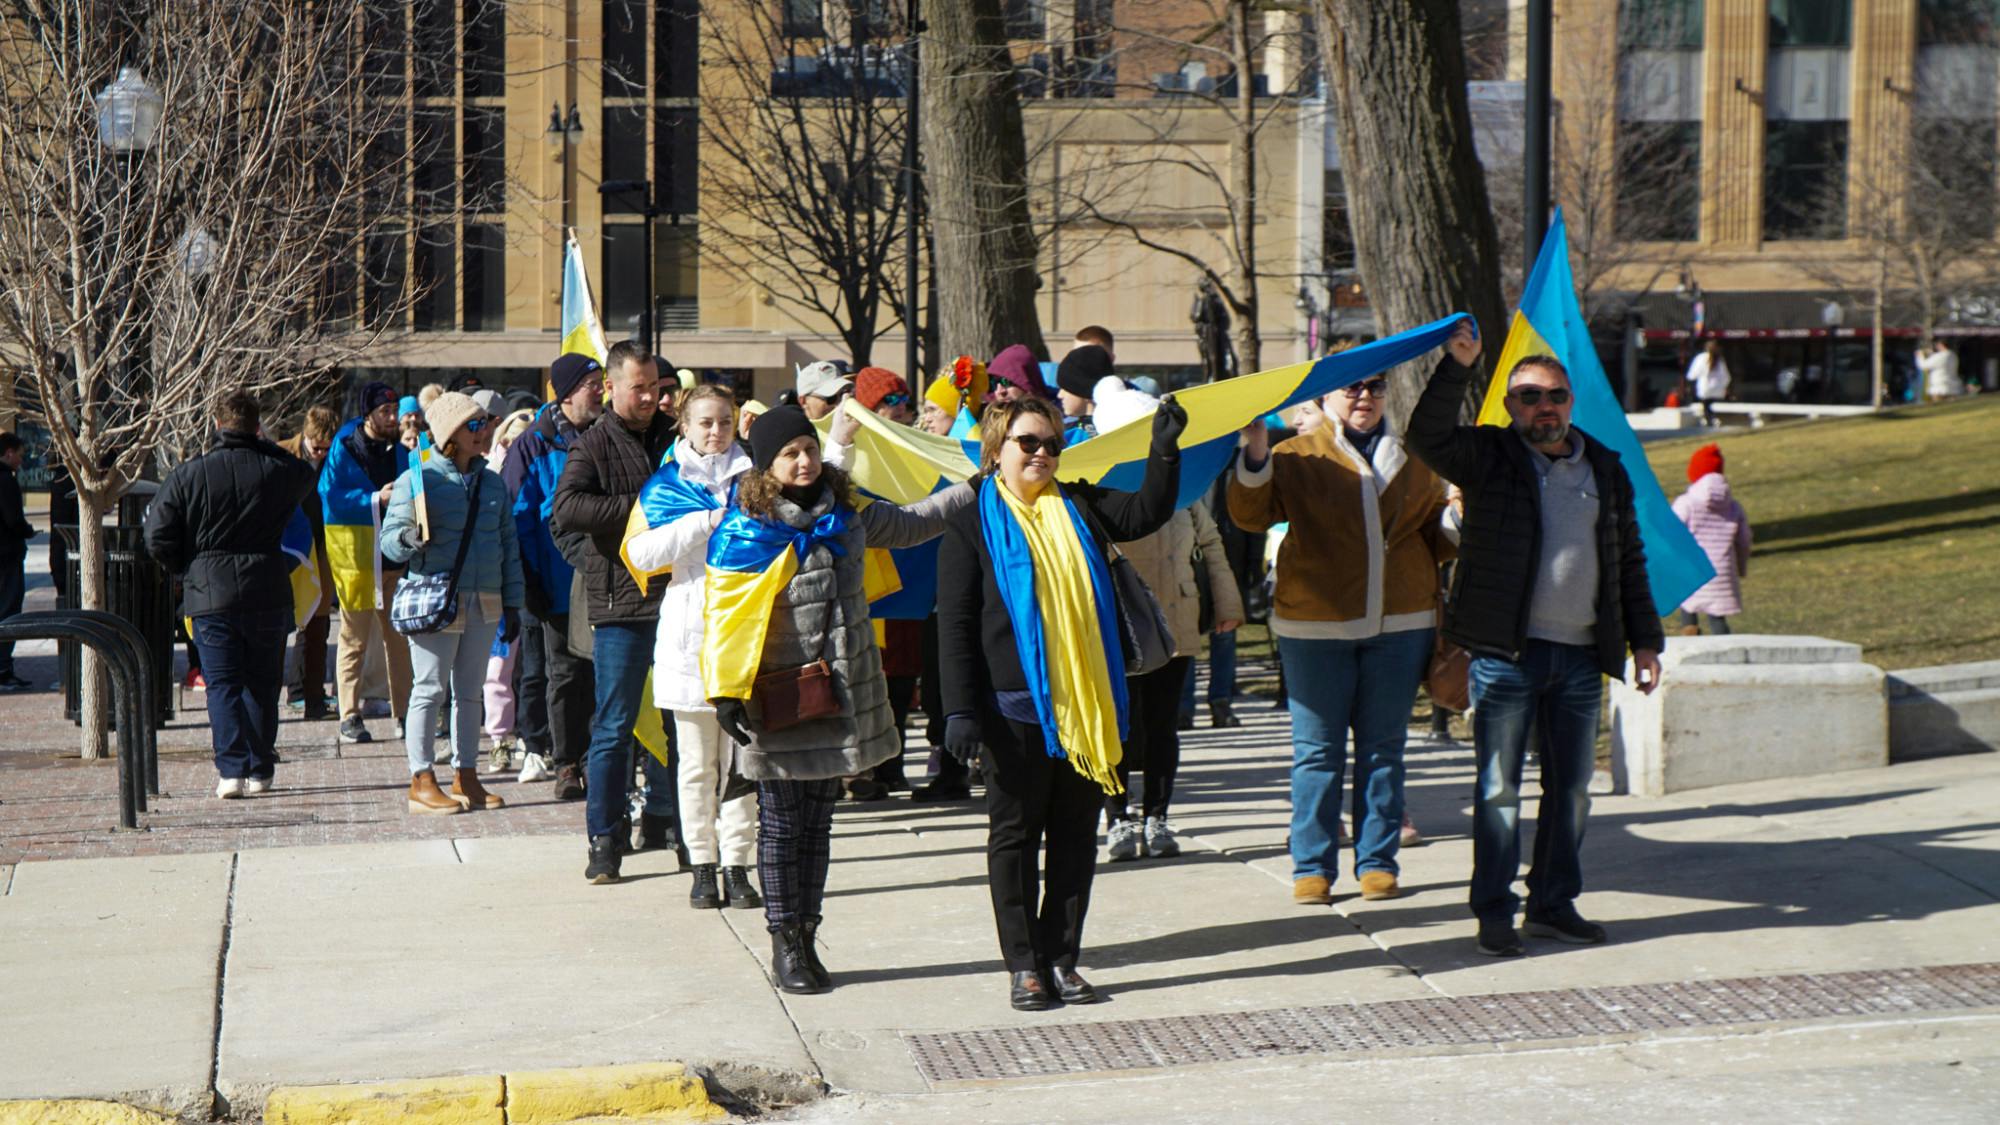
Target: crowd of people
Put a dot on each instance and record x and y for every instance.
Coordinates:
(643, 549)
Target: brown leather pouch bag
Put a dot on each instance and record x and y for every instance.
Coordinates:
(796, 695)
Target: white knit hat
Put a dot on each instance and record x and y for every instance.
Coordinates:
(1118, 404)
(448, 413)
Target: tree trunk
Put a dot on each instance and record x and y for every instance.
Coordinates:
(1416, 194)
(976, 183)
(94, 700)
(1243, 207)
(1876, 383)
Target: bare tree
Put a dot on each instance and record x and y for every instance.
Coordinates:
(136, 285)
(1423, 227)
(976, 182)
(803, 192)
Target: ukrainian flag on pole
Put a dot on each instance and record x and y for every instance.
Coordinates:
(1550, 322)
(581, 331)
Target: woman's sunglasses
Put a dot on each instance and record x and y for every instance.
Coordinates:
(1375, 387)
(474, 425)
(1032, 444)
(897, 399)
(1532, 396)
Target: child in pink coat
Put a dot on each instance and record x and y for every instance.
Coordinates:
(1719, 525)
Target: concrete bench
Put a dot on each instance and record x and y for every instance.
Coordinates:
(1748, 708)
(1759, 411)
(1949, 709)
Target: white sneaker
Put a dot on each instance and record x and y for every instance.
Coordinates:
(1409, 837)
(500, 759)
(229, 788)
(534, 768)
(1127, 839)
(1160, 842)
(254, 786)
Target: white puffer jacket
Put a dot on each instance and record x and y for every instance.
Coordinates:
(683, 545)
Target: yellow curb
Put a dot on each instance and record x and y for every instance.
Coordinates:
(660, 1091)
(76, 1111)
(422, 1101)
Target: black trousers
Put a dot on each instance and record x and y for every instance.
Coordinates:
(794, 848)
(312, 663)
(571, 695)
(243, 657)
(1035, 802)
(13, 590)
(930, 692)
(1153, 739)
(531, 688)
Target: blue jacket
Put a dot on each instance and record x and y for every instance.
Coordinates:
(534, 464)
(492, 566)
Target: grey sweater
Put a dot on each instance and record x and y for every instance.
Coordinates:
(1564, 607)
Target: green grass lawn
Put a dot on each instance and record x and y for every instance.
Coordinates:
(1881, 530)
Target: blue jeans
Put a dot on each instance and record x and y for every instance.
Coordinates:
(1221, 673)
(243, 660)
(623, 654)
(1555, 690)
(1367, 686)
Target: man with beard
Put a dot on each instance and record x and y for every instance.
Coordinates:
(1550, 591)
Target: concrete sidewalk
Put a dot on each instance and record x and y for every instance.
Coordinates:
(458, 956)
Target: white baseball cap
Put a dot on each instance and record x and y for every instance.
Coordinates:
(824, 379)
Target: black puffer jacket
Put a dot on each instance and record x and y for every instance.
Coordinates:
(218, 521)
(1500, 546)
(607, 466)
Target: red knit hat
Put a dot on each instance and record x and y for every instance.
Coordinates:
(873, 384)
(1706, 460)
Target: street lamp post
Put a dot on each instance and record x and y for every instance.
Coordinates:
(128, 119)
(564, 135)
(1535, 143)
(913, 187)
(644, 189)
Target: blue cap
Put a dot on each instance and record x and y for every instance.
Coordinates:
(408, 406)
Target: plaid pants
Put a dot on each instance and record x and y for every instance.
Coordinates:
(794, 846)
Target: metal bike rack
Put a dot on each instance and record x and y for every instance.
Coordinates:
(127, 676)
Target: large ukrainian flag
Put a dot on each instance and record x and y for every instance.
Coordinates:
(581, 331)
(1550, 322)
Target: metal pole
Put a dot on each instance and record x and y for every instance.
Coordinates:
(646, 332)
(1535, 132)
(912, 188)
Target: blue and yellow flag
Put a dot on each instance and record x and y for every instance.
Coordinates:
(582, 333)
(353, 522)
(1550, 322)
(749, 561)
(297, 543)
(664, 498)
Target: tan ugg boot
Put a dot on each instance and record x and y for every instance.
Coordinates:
(426, 799)
(466, 790)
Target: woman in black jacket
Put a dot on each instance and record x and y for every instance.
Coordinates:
(1033, 673)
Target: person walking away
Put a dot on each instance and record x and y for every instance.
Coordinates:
(1549, 592)
(688, 495)
(1708, 374)
(1167, 560)
(467, 509)
(218, 523)
(312, 444)
(1723, 530)
(593, 505)
(557, 682)
(1939, 365)
(1353, 613)
(793, 512)
(15, 535)
(354, 490)
(1033, 662)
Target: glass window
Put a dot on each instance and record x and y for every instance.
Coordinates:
(1026, 19)
(435, 157)
(676, 261)
(485, 159)
(624, 278)
(434, 258)
(1659, 181)
(434, 47)
(1811, 23)
(387, 187)
(1660, 24)
(1805, 180)
(1958, 22)
(624, 49)
(337, 282)
(802, 19)
(485, 48)
(624, 156)
(383, 40)
(485, 277)
(1952, 179)
(676, 48)
(382, 287)
(677, 160)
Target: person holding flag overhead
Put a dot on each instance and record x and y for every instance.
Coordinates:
(1550, 591)
(1033, 663)
(789, 634)
(679, 507)
(354, 490)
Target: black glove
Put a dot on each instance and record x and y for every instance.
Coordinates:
(734, 719)
(961, 739)
(1168, 422)
(510, 625)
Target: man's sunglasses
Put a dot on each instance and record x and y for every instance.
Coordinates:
(1378, 388)
(896, 399)
(1532, 396)
(1032, 444)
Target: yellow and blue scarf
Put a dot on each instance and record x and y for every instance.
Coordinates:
(1039, 552)
(749, 561)
(665, 497)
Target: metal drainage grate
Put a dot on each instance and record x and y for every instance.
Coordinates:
(1029, 1052)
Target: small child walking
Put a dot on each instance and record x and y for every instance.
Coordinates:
(1723, 530)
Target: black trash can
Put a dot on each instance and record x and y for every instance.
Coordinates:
(137, 589)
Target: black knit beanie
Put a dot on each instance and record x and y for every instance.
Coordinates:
(774, 430)
(1080, 370)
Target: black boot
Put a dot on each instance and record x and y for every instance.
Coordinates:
(813, 965)
(704, 895)
(737, 889)
(788, 960)
(604, 859)
(1222, 715)
(656, 832)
